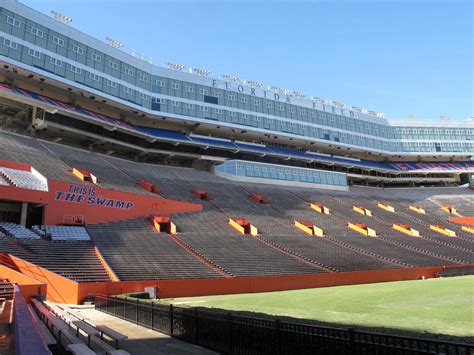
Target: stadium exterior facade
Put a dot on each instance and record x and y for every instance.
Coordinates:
(37, 51)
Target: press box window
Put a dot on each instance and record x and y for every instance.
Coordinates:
(96, 57)
(34, 53)
(10, 44)
(55, 61)
(37, 32)
(211, 99)
(113, 65)
(143, 78)
(59, 42)
(75, 69)
(13, 21)
(77, 49)
(94, 76)
(110, 83)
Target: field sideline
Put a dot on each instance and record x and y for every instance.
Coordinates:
(444, 306)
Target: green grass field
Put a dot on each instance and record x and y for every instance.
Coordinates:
(443, 306)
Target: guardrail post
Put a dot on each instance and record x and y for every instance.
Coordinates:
(196, 338)
(229, 328)
(352, 344)
(171, 319)
(277, 328)
(152, 315)
(136, 312)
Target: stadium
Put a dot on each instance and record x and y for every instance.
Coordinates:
(230, 215)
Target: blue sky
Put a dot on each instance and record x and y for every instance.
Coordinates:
(400, 57)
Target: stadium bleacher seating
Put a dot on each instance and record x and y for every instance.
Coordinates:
(23, 179)
(76, 260)
(205, 246)
(72, 258)
(135, 252)
(16, 231)
(32, 152)
(62, 232)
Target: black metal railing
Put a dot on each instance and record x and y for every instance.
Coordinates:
(229, 333)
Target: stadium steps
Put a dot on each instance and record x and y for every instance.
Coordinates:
(420, 250)
(293, 254)
(368, 253)
(135, 252)
(382, 228)
(423, 223)
(209, 263)
(430, 245)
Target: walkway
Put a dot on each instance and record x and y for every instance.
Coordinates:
(140, 340)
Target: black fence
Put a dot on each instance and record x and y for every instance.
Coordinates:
(228, 333)
(456, 271)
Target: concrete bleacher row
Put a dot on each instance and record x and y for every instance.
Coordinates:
(208, 234)
(74, 259)
(29, 151)
(135, 252)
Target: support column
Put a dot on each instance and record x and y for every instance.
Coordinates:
(24, 212)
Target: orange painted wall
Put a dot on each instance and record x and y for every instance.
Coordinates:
(59, 289)
(23, 195)
(15, 165)
(28, 286)
(143, 205)
(204, 287)
(139, 206)
(62, 290)
(463, 220)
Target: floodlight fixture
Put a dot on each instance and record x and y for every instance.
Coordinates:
(299, 94)
(114, 43)
(278, 90)
(201, 72)
(60, 17)
(356, 109)
(372, 113)
(337, 103)
(319, 99)
(230, 78)
(175, 66)
(254, 83)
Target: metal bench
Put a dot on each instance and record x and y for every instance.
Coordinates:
(44, 331)
(116, 336)
(80, 349)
